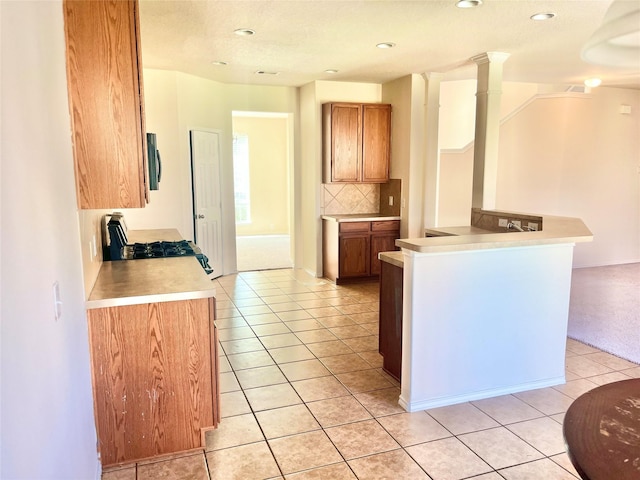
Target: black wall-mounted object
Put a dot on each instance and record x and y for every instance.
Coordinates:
(155, 164)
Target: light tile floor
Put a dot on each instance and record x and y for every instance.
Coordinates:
(304, 397)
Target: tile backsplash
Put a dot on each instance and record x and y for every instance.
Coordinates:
(347, 198)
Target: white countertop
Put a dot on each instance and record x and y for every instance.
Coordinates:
(360, 217)
(133, 282)
(556, 230)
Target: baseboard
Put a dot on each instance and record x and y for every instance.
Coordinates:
(418, 405)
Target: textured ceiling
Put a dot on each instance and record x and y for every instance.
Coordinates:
(302, 39)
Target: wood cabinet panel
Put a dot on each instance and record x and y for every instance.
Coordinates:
(356, 142)
(390, 339)
(354, 255)
(104, 80)
(384, 242)
(154, 377)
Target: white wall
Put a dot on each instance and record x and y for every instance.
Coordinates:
(569, 155)
(46, 402)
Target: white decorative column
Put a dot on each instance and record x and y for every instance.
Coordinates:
(485, 162)
(432, 150)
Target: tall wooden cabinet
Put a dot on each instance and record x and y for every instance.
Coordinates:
(356, 142)
(155, 377)
(104, 80)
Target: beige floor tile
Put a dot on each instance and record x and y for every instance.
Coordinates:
(293, 315)
(285, 307)
(298, 297)
(260, 377)
(355, 440)
(304, 370)
(543, 468)
(316, 336)
(231, 322)
(246, 462)
(236, 333)
(254, 310)
(295, 353)
(338, 411)
(304, 451)
(462, 418)
(273, 299)
(337, 301)
(354, 308)
(328, 349)
(548, 400)
(611, 361)
(262, 319)
(448, 459)
(632, 372)
(349, 331)
(233, 431)
(284, 421)
(223, 363)
(363, 344)
(413, 428)
(242, 346)
(579, 347)
(395, 464)
(227, 313)
(365, 317)
(584, 367)
(303, 325)
(315, 303)
(345, 363)
(363, 381)
(337, 321)
(323, 312)
(544, 434)
(233, 403)
(319, 388)
(249, 301)
(228, 382)
(372, 327)
(507, 409)
(281, 340)
(122, 474)
(564, 461)
(381, 402)
(272, 396)
(271, 329)
(609, 378)
(243, 361)
(372, 358)
(575, 388)
(337, 471)
(499, 447)
(192, 467)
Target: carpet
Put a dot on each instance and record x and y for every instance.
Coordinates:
(604, 311)
(263, 252)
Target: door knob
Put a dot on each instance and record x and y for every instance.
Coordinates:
(200, 216)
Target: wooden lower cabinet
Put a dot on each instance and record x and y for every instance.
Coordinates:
(390, 332)
(155, 377)
(350, 249)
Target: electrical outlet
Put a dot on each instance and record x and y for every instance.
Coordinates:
(391, 200)
(533, 226)
(57, 302)
(502, 222)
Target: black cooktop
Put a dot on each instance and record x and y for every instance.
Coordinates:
(180, 248)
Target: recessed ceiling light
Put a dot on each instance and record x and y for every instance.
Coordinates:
(244, 32)
(543, 16)
(331, 70)
(592, 82)
(468, 3)
(219, 62)
(264, 72)
(386, 45)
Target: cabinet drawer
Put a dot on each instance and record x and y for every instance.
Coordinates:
(385, 226)
(348, 227)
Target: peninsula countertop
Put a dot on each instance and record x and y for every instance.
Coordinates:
(556, 230)
(133, 282)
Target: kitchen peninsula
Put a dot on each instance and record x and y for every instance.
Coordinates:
(154, 354)
(485, 313)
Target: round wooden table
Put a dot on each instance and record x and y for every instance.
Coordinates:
(602, 432)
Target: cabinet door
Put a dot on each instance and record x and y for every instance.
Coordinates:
(354, 255)
(344, 160)
(381, 242)
(376, 142)
(152, 377)
(105, 95)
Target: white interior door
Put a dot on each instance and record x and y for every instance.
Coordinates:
(207, 208)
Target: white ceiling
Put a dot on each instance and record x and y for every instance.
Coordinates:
(301, 39)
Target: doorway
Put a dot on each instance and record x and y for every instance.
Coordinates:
(262, 190)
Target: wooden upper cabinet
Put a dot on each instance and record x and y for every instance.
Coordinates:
(356, 142)
(104, 79)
